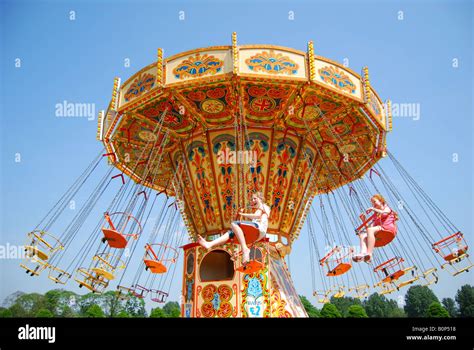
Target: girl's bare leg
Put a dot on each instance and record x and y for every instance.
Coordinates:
(241, 238)
(218, 241)
(363, 247)
(371, 238)
(363, 243)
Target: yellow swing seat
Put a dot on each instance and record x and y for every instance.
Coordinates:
(430, 272)
(57, 275)
(34, 266)
(103, 272)
(35, 251)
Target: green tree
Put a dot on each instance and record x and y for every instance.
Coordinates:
(436, 310)
(58, 301)
(52, 299)
(311, 310)
(379, 306)
(396, 311)
(343, 304)
(356, 311)
(376, 305)
(94, 311)
(5, 313)
(330, 311)
(17, 310)
(157, 313)
(28, 305)
(450, 305)
(86, 301)
(135, 307)
(44, 313)
(172, 309)
(66, 311)
(417, 301)
(122, 314)
(112, 305)
(465, 299)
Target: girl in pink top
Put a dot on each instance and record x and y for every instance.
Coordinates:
(384, 220)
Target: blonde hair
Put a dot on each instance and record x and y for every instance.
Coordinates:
(260, 196)
(379, 197)
(266, 208)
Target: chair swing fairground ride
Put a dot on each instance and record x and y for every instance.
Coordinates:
(201, 131)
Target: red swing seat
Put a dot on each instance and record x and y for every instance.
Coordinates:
(382, 237)
(443, 246)
(336, 262)
(391, 270)
(255, 262)
(155, 266)
(251, 234)
(155, 263)
(251, 267)
(116, 238)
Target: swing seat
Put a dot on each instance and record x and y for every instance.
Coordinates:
(91, 282)
(158, 296)
(339, 294)
(434, 278)
(360, 291)
(407, 282)
(394, 276)
(58, 276)
(322, 297)
(255, 263)
(113, 238)
(251, 234)
(91, 286)
(155, 266)
(158, 261)
(383, 237)
(339, 269)
(387, 291)
(33, 250)
(30, 271)
(124, 293)
(251, 267)
(462, 270)
(140, 292)
(458, 254)
(385, 288)
(87, 285)
(37, 267)
(104, 273)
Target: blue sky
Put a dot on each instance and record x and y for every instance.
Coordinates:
(410, 61)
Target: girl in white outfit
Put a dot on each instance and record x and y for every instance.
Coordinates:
(259, 220)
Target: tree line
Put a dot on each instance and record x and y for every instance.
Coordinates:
(63, 303)
(420, 301)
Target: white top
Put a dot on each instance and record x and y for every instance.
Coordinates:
(263, 220)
